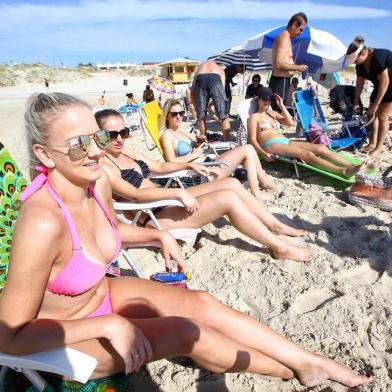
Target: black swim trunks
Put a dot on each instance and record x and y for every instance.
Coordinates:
(279, 85)
(209, 86)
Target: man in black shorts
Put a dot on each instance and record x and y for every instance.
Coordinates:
(283, 65)
(208, 83)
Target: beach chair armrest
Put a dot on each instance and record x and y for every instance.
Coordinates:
(63, 361)
(222, 145)
(179, 173)
(130, 206)
(215, 163)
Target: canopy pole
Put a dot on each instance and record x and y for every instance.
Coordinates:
(243, 74)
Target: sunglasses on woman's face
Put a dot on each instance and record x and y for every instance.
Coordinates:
(124, 133)
(175, 114)
(78, 146)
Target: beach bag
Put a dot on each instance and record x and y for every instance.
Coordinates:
(374, 190)
(317, 134)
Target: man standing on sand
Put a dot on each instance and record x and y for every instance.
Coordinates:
(283, 66)
(208, 83)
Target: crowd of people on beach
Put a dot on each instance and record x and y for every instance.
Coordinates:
(67, 231)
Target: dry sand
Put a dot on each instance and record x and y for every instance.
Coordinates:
(337, 305)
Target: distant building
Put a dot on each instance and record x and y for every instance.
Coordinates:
(150, 62)
(115, 65)
(179, 70)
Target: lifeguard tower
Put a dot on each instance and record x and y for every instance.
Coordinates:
(179, 70)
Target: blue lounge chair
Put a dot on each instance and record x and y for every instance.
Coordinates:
(309, 110)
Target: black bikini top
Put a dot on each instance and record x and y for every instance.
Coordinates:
(132, 176)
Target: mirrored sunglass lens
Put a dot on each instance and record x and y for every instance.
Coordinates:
(78, 147)
(102, 139)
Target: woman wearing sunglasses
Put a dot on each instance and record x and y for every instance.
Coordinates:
(266, 138)
(128, 172)
(374, 65)
(179, 145)
(65, 236)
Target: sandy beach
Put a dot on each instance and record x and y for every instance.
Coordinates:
(337, 305)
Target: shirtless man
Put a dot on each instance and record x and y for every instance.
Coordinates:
(208, 83)
(283, 66)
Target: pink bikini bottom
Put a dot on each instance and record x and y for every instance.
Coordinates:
(104, 308)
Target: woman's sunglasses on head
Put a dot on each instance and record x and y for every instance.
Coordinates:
(124, 133)
(175, 114)
(78, 146)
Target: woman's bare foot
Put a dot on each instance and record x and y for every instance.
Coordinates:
(376, 153)
(321, 368)
(348, 172)
(283, 229)
(263, 195)
(368, 148)
(292, 253)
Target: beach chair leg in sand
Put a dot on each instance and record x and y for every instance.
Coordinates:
(63, 361)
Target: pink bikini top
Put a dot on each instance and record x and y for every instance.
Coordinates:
(80, 274)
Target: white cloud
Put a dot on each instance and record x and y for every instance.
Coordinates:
(95, 12)
(149, 29)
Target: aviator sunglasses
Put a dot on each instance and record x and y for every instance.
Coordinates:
(124, 133)
(175, 114)
(78, 146)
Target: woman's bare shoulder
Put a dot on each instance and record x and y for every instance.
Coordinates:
(40, 216)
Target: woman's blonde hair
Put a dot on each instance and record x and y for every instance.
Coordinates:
(41, 111)
(163, 123)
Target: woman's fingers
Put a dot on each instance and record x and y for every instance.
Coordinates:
(148, 350)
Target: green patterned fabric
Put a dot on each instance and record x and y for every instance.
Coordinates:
(16, 382)
(12, 184)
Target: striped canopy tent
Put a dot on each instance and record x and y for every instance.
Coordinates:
(237, 55)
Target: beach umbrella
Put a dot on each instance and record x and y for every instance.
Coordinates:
(321, 51)
(237, 55)
(162, 84)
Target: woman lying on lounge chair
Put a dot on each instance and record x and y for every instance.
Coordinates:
(204, 203)
(65, 236)
(263, 128)
(179, 146)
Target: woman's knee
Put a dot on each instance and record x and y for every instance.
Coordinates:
(187, 331)
(204, 305)
(306, 156)
(228, 197)
(230, 183)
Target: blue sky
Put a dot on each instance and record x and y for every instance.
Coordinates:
(73, 31)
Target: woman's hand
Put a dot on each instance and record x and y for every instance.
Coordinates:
(356, 109)
(198, 151)
(190, 202)
(171, 251)
(130, 343)
(279, 101)
(200, 169)
(372, 110)
(268, 157)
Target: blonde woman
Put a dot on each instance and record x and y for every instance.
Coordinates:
(179, 145)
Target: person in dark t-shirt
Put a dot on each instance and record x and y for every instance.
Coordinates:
(230, 72)
(254, 89)
(374, 65)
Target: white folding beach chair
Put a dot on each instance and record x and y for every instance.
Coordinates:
(62, 361)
